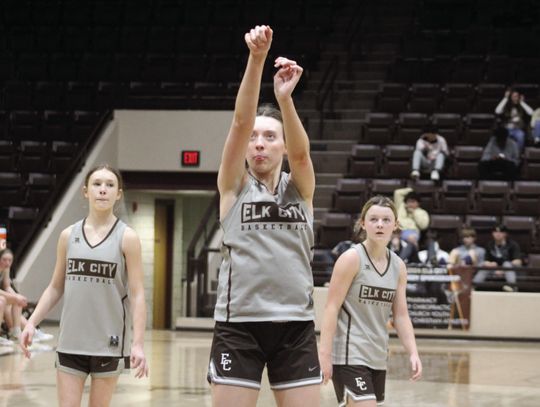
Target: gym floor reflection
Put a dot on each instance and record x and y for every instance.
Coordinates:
(456, 373)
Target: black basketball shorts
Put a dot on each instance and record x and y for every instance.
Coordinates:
(358, 383)
(240, 351)
(96, 366)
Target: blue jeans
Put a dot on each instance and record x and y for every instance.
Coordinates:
(536, 131)
(518, 136)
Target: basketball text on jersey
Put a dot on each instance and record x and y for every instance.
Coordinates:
(379, 294)
(91, 268)
(272, 212)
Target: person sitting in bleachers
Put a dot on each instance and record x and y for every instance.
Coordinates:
(514, 112)
(429, 154)
(468, 253)
(500, 158)
(535, 127)
(412, 218)
(406, 251)
(500, 252)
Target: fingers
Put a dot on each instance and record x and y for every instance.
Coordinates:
(259, 38)
(286, 63)
(416, 371)
(139, 364)
(24, 342)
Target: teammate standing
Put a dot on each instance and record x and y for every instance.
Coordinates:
(368, 282)
(264, 312)
(99, 272)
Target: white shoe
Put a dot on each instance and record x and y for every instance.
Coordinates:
(40, 336)
(435, 175)
(415, 174)
(5, 342)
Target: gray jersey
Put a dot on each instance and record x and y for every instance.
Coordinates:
(267, 248)
(361, 335)
(96, 316)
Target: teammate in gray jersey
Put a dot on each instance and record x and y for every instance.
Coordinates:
(368, 282)
(264, 312)
(99, 272)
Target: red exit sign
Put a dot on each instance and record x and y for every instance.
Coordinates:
(191, 158)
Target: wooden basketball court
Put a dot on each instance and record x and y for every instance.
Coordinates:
(456, 373)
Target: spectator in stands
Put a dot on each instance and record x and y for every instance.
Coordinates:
(429, 154)
(433, 255)
(514, 111)
(500, 158)
(500, 252)
(468, 253)
(406, 251)
(535, 126)
(12, 303)
(411, 217)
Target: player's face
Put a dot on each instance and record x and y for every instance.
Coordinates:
(379, 223)
(266, 145)
(6, 261)
(102, 190)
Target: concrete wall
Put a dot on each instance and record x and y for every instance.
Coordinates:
(153, 140)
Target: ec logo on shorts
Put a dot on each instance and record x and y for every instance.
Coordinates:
(225, 361)
(360, 383)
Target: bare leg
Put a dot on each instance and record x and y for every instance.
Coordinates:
(101, 391)
(70, 389)
(298, 396)
(233, 396)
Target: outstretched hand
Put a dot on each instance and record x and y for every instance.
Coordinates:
(286, 77)
(259, 39)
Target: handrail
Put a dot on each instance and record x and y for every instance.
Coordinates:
(44, 214)
(326, 88)
(197, 262)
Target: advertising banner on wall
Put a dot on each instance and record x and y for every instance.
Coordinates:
(439, 298)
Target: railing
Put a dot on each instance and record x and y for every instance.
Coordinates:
(325, 91)
(197, 256)
(44, 214)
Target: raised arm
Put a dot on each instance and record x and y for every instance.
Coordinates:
(297, 141)
(131, 247)
(232, 172)
(50, 296)
(403, 324)
(346, 267)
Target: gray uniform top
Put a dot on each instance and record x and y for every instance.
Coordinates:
(267, 248)
(361, 335)
(96, 316)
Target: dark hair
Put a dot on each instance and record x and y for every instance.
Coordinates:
(412, 196)
(500, 228)
(430, 128)
(108, 168)
(269, 110)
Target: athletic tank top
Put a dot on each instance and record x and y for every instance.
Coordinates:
(96, 316)
(267, 248)
(361, 335)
